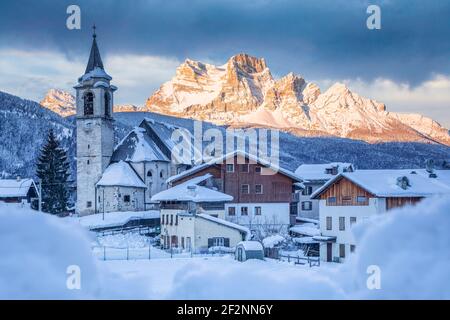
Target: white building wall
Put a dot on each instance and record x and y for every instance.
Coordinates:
(112, 199)
(157, 181)
(361, 213)
(314, 212)
(271, 213)
(195, 230)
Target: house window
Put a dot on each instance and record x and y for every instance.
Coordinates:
(88, 162)
(89, 204)
(219, 242)
(230, 167)
(161, 174)
(244, 168)
(361, 199)
(171, 219)
(231, 211)
(244, 211)
(352, 248)
(329, 223)
(245, 189)
(307, 205)
(126, 198)
(352, 220)
(162, 219)
(258, 211)
(307, 191)
(341, 250)
(107, 103)
(331, 200)
(258, 188)
(341, 223)
(176, 219)
(88, 104)
(258, 169)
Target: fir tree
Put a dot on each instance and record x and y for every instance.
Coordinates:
(53, 171)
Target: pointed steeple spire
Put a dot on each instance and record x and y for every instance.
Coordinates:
(95, 61)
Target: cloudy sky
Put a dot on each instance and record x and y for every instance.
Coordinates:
(406, 64)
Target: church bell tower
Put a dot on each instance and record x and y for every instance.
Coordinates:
(95, 131)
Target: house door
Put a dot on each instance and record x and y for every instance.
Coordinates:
(329, 251)
(240, 253)
(188, 243)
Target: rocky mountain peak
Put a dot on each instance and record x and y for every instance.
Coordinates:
(59, 101)
(247, 63)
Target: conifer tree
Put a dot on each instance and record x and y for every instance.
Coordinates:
(53, 171)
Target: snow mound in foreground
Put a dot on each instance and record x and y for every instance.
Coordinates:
(36, 250)
(410, 246)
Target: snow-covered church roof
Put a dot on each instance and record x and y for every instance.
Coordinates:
(191, 191)
(120, 174)
(15, 187)
(137, 146)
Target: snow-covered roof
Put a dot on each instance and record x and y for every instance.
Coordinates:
(112, 219)
(306, 229)
(251, 245)
(272, 241)
(14, 187)
(226, 223)
(164, 131)
(137, 146)
(120, 174)
(311, 172)
(222, 159)
(95, 73)
(384, 183)
(191, 191)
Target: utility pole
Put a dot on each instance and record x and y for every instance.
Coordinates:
(40, 196)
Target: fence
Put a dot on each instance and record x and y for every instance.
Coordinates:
(140, 230)
(311, 261)
(147, 253)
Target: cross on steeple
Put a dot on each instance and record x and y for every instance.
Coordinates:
(93, 28)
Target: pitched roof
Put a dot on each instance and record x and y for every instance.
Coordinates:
(310, 172)
(191, 191)
(221, 159)
(137, 146)
(226, 223)
(383, 183)
(120, 174)
(95, 61)
(15, 188)
(165, 133)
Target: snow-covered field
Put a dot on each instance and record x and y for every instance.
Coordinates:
(410, 248)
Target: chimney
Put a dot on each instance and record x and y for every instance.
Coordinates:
(18, 178)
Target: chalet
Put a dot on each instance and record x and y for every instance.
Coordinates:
(17, 190)
(313, 177)
(262, 193)
(192, 217)
(351, 197)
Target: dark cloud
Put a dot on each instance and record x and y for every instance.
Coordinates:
(319, 39)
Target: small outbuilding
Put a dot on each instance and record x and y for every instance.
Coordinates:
(246, 250)
(17, 190)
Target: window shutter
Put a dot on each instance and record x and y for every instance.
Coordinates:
(226, 242)
(210, 242)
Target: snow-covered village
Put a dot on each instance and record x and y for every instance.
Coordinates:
(229, 182)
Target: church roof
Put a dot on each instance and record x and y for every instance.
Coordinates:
(137, 146)
(95, 61)
(120, 174)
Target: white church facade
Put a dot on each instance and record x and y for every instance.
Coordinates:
(124, 177)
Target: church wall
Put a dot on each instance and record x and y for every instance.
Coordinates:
(113, 198)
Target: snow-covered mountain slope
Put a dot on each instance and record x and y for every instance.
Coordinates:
(243, 92)
(24, 125)
(59, 101)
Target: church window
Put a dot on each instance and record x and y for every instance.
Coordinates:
(126, 198)
(107, 103)
(89, 204)
(161, 174)
(149, 173)
(88, 162)
(88, 104)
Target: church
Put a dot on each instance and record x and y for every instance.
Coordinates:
(124, 177)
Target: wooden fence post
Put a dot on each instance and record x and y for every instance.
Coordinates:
(104, 253)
